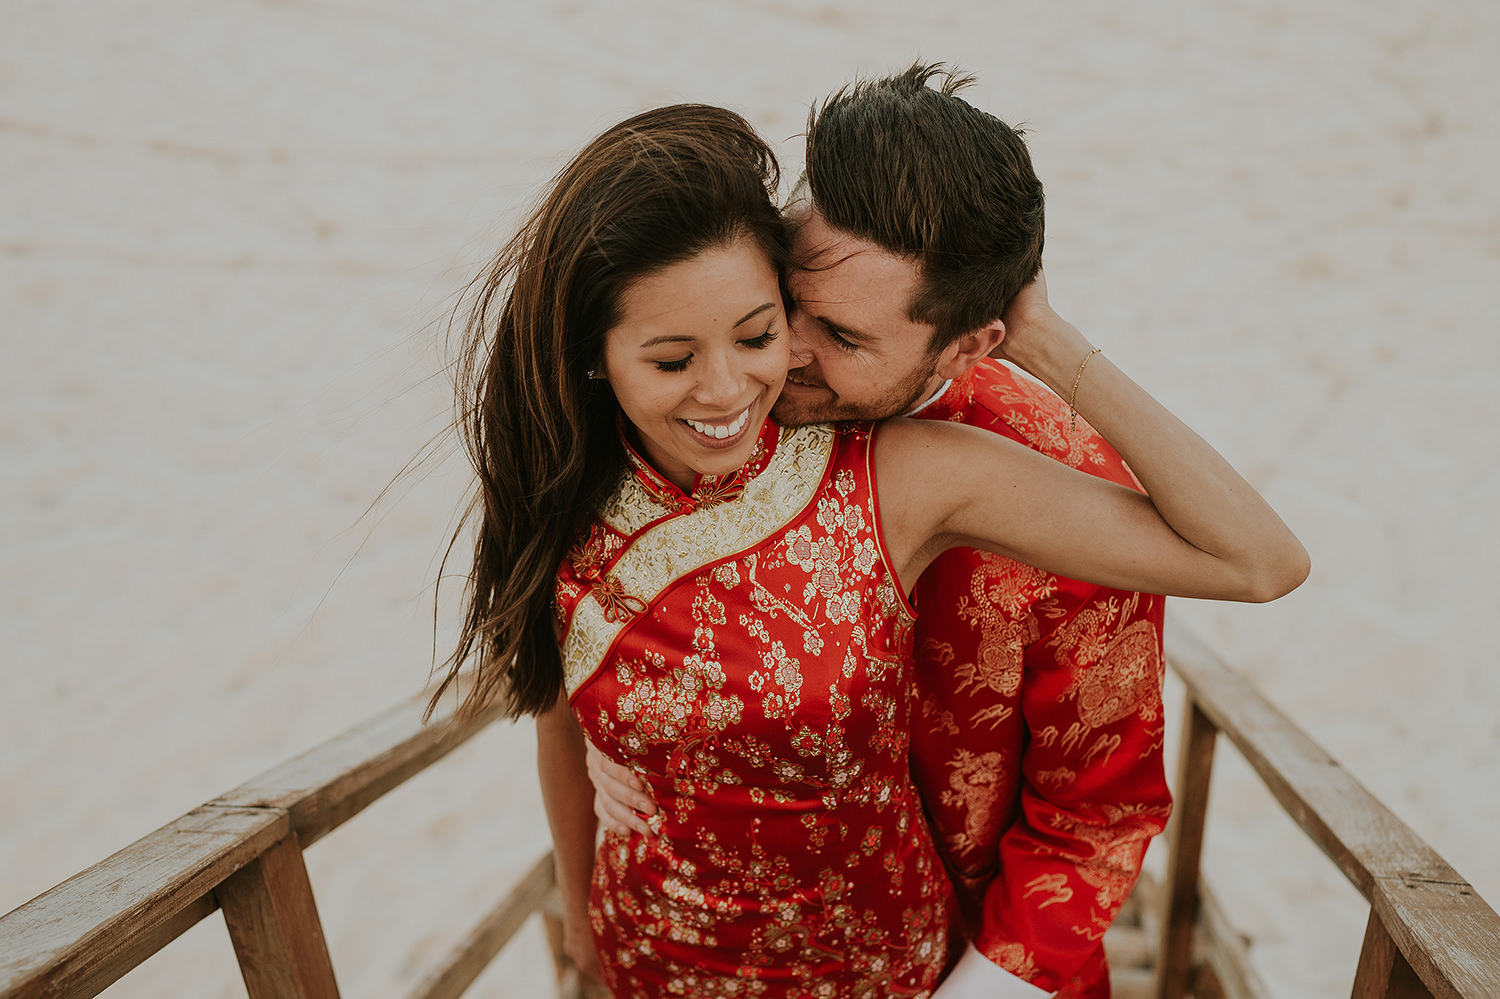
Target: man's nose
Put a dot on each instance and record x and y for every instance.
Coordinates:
(797, 324)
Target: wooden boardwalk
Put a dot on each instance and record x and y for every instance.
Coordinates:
(1429, 936)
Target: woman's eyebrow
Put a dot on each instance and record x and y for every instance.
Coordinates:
(678, 338)
(684, 338)
(755, 312)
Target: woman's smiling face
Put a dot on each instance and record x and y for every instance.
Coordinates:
(698, 357)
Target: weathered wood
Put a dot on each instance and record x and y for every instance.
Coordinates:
(326, 786)
(1223, 949)
(1185, 838)
(470, 958)
(88, 932)
(78, 938)
(273, 922)
(1339, 814)
(1127, 947)
(1132, 983)
(1382, 972)
(1447, 934)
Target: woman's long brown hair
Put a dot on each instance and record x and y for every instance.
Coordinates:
(650, 192)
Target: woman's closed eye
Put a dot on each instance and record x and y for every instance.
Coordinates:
(760, 342)
(763, 341)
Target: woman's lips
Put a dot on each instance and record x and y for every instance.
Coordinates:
(716, 435)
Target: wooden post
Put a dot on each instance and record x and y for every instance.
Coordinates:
(1185, 843)
(273, 921)
(1383, 971)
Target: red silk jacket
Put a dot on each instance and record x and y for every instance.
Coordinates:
(1037, 738)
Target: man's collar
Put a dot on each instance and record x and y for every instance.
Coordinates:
(930, 399)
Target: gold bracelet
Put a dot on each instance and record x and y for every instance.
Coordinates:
(1073, 396)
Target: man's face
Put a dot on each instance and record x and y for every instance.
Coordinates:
(861, 357)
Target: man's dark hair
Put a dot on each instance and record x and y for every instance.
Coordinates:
(925, 175)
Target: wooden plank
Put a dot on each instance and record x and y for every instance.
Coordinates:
(328, 785)
(1447, 934)
(1442, 929)
(94, 928)
(273, 922)
(1376, 957)
(1132, 983)
(1349, 824)
(1382, 973)
(1126, 947)
(1223, 949)
(1206, 984)
(80, 937)
(473, 955)
(1185, 846)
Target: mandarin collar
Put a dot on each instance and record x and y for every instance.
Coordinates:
(706, 489)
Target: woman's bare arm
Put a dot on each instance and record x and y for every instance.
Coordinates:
(569, 800)
(1203, 531)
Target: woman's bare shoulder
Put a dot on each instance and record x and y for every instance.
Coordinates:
(912, 445)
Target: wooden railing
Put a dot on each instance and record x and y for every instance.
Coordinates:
(242, 853)
(1429, 933)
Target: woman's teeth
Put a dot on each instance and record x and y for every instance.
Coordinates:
(721, 431)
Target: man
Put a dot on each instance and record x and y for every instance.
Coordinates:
(1037, 731)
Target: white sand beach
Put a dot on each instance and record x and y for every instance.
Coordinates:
(228, 237)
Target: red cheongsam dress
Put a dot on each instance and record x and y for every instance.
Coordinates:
(745, 647)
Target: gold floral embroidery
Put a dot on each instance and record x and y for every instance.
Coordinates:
(1015, 958)
(771, 721)
(717, 491)
(590, 555)
(1035, 411)
(681, 545)
(710, 489)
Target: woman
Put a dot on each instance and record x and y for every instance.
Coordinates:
(729, 613)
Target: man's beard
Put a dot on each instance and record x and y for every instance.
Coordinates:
(904, 396)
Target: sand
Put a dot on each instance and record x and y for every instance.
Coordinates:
(229, 234)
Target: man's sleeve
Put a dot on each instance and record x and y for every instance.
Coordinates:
(1093, 790)
(1038, 741)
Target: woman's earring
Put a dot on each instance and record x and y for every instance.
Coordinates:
(592, 376)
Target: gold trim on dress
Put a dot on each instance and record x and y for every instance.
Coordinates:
(681, 545)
